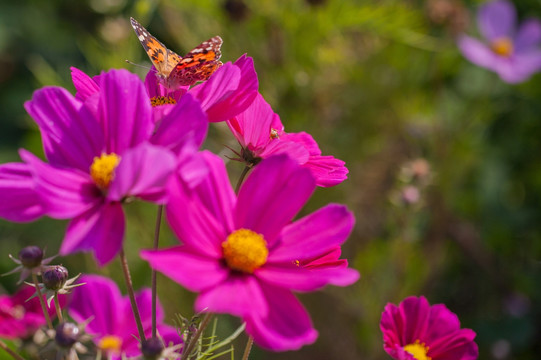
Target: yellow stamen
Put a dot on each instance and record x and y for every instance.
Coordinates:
(103, 168)
(245, 250)
(502, 46)
(110, 343)
(162, 100)
(418, 350)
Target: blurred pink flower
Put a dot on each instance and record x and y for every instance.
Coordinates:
(260, 133)
(414, 330)
(112, 323)
(19, 318)
(514, 54)
(101, 151)
(243, 253)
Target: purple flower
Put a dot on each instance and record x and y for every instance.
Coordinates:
(20, 317)
(101, 152)
(512, 53)
(243, 254)
(414, 330)
(229, 91)
(261, 134)
(112, 322)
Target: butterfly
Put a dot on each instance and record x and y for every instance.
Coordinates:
(175, 71)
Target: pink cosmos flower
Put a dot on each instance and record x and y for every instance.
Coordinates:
(261, 134)
(514, 54)
(414, 330)
(101, 152)
(112, 324)
(245, 256)
(20, 318)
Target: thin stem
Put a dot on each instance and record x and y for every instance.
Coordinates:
(248, 348)
(189, 348)
(241, 178)
(13, 354)
(129, 285)
(153, 272)
(41, 301)
(57, 307)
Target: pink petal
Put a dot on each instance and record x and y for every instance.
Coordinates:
(100, 230)
(528, 35)
(65, 193)
(272, 195)
(71, 135)
(237, 295)
(290, 277)
(98, 293)
(186, 122)
(142, 170)
(286, 326)
(84, 84)
(458, 345)
(189, 268)
(252, 127)
(124, 111)
(294, 150)
(202, 216)
(497, 19)
(229, 91)
(314, 234)
(477, 52)
(304, 139)
(327, 170)
(20, 202)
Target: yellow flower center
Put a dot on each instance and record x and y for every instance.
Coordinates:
(103, 168)
(110, 343)
(502, 46)
(245, 250)
(418, 350)
(162, 100)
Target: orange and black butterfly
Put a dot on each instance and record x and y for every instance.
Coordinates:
(173, 70)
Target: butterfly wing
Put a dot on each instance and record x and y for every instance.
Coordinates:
(163, 59)
(199, 64)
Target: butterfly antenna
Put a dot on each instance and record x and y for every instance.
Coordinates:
(141, 66)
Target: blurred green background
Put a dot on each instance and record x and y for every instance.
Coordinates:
(444, 158)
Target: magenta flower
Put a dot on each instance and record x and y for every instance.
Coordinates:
(243, 254)
(229, 91)
(102, 152)
(260, 133)
(19, 318)
(512, 53)
(112, 323)
(414, 330)
(20, 202)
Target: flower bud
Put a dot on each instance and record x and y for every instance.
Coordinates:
(54, 277)
(31, 256)
(67, 334)
(152, 348)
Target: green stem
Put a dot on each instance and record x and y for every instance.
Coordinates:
(189, 348)
(153, 272)
(41, 301)
(241, 178)
(13, 354)
(129, 285)
(57, 307)
(248, 348)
